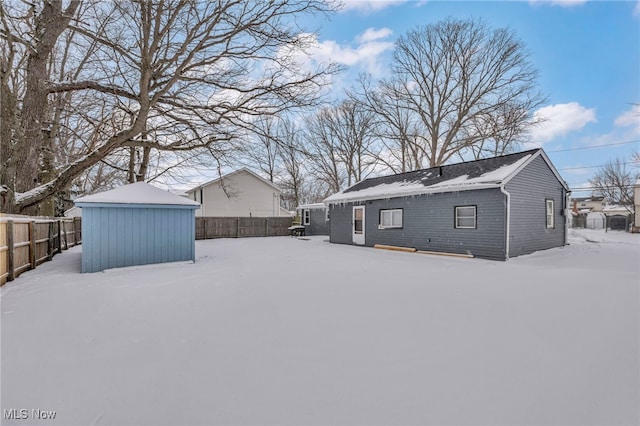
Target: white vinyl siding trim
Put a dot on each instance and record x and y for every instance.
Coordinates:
(390, 218)
(466, 217)
(550, 216)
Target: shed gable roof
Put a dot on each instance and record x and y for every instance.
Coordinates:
(479, 174)
(136, 193)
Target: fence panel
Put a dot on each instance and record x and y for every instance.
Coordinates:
(4, 253)
(41, 231)
(21, 247)
(28, 242)
(239, 227)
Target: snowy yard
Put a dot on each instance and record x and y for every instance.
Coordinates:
(285, 331)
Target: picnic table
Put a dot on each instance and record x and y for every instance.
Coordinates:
(297, 230)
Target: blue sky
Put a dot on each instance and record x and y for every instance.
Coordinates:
(587, 53)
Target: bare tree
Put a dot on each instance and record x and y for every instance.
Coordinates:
(322, 152)
(395, 126)
(189, 74)
(468, 88)
(342, 142)
(264, 152)
(293, 176)
(615, 182)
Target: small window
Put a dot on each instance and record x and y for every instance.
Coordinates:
(550, 214)
(466, 217)
(326, 213)
(306, 217)
(391, 218)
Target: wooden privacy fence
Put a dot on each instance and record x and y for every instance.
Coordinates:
(239, 227)
(27, 242)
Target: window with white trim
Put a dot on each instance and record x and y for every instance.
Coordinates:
(466, 217)
(391, 218)
(306, 217)
(550, 215)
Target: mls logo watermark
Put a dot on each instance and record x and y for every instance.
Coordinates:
(24, 414)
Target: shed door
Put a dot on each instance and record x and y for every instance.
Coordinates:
(358, 225)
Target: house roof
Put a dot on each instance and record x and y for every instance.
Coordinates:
(312, 206)
(136, 193)
(228, 175)
(617, 208)
(586, 199)
(479, 174)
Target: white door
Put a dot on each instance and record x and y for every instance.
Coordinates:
(358, 225)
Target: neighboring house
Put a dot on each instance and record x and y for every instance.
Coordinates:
(315, 218)
(239, 194)
(74, 211)
(494, 208)
(586, 205)
(586, 212)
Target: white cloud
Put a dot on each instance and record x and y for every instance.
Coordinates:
(636, 10)
(371, 34)
(365, 6)
(365, 53)
(629, 118)
(560, 119)
(561, 3)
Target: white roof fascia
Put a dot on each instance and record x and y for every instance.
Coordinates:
(335, 199)
(311, 206)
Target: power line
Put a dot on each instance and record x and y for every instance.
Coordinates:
(593, 147)
(595, 167)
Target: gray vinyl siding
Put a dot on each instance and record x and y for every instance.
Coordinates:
(318, 223)
(341, 216)
(115, 237)
(428, 223)
(529, 189)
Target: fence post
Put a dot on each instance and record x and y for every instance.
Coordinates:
(59, 237)
(266, 226)
(238, 228)
(32, 245)
(66, 236)
(10, 268)
(50, 240)
(204, 226)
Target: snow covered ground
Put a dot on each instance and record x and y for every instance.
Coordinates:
(287, 331)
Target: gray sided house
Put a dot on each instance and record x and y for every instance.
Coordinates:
(494, 208)
(136, 224)
(314, 218)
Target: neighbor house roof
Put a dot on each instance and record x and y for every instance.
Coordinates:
(479, 174)
(136, 193)
(228, 175)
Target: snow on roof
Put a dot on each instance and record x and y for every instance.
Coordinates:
(481, 174)
(137, 193)
(616, 208)
(312, 206)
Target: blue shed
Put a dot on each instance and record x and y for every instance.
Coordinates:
(136, 224)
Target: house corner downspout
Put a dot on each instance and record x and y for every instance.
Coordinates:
(567, 198)
(508, 222)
